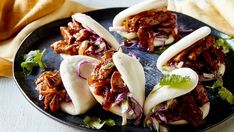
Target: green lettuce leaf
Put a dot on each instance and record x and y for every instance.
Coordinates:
(31, 60)
(97, 123)
(110, 122)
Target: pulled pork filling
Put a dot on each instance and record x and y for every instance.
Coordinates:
(203, 56)
(108, 83)
(51, 90)
(185, 107)
(150, 25)
(79, 41)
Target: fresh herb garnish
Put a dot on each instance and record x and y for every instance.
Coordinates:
(174, 80)
(223, 92)
(223, 42)
(160, 50)
(97, 123)
(31, 60)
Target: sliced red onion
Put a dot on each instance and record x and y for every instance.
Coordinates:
(41, 97)
(98, 40)
(159, 115)
(120, 98)
(181, 29)
(78, 72)
(137, 110)
(162, 118)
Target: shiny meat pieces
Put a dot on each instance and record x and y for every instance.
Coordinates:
(107, 81)
(200, 95)
(49, 86)
(61, 46)
(117, 83)
(189, 110)
(147, 23)
(79, 41)
(186, 107)
(194, 55)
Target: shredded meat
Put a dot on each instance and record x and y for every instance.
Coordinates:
(189, 109)
(107, 80)
(49, 85)
(79, 41)
(200, 95)
(185, 107)
(193, 56)
(117, 83)
(148, 23)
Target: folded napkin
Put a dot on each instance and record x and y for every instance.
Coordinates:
(216, 13)
(18, 18)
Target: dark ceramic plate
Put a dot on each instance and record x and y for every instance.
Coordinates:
(43, 37)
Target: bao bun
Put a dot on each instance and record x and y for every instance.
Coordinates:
(159, 5)
(133, 75)
(89, 23)
(166, 93)
(77, 88)
(138, 8)
(181, 45)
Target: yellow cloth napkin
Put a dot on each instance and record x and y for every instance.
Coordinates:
(216, 13)
(18, 18)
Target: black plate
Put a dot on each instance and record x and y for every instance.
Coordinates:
(43, 37)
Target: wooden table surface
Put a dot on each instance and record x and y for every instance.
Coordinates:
(18, 115)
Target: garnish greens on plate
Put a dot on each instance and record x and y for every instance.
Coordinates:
(97, 123)
(223, 92)
(224, 41)
(31, 60)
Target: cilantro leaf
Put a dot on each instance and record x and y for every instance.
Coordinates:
(110, 122)
(217, 84)
(223, 42)
(97, 123)
(223, 92)
(174, 80)
(31, 60)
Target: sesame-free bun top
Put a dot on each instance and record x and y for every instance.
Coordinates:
(88, 22)
(165, 93)
(76, 86)
(181, 45)
(133, 76)
(138, 8)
